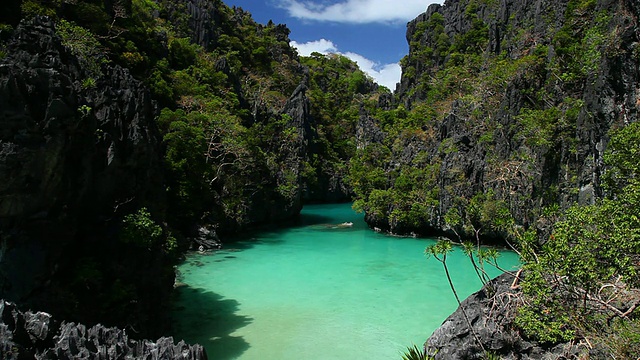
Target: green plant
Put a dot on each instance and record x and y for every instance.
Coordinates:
(439, 251)
(89, 83)
(491, 356)
(415, 353)
(30, 8)
(623, 339)
(140, 230)
(182, 53)
(84, 110)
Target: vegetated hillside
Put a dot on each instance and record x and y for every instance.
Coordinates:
(504, 107)
(127, 125)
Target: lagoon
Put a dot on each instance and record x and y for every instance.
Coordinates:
(318, 290)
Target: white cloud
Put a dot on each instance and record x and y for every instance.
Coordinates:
(357, 11)
(384, 74)
(322, 46)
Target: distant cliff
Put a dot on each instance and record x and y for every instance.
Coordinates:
(509, 104)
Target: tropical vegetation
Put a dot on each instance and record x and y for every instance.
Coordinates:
(451, 154)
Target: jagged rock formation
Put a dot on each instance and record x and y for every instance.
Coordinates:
(521, 97)
(286, 203)
(78, 150)
(491, 311)
(198, 20)
(29, 335)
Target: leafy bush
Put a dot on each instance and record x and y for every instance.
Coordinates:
(140, 230)
(82, 43)
(182, 53)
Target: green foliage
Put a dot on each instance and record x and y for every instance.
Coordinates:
(475, 39)
(84, 110)
(82, 43)
(91, 15)
(182, 53)
(31, 8)
(89, 83)
(622, 157)
(543, 319)
(186, 143)
(439, 251)
(538, 126)
(623, 339)
(337, 89)
(488, 355)
(415, 353)
(581, 44)
(140, 230)
(87, 273)
(412, 198)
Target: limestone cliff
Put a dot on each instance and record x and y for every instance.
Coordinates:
(516, 99)
(78, 150)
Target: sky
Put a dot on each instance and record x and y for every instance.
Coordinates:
(369, 32)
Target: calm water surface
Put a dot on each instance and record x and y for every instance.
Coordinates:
(318, 291)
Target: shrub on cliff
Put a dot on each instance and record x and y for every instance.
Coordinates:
(585, 275)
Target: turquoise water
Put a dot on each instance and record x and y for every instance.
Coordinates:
(316, 291)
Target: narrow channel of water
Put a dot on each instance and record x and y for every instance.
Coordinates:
(319, 291)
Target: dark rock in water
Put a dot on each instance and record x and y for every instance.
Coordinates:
(206, 239)
(491, 312)
(38, 336)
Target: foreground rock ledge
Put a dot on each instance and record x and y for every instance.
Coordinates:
(37, 335)
(491, 312)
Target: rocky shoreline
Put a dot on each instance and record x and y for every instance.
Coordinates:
(37, 335)
(491, 312)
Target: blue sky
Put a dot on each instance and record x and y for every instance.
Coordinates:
(370, 32)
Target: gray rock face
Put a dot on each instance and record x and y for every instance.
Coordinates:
(491, 312)
(78, 151)
(28, 335)
(367, 132)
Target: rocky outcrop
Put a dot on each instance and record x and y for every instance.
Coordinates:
(491, 312)
(368, 132)
(29, 335)
(197, 19)
(78, 151)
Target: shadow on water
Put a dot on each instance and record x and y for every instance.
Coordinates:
(268, 234)
(210, 320)
(313, 219)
